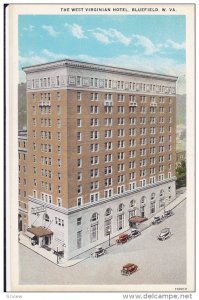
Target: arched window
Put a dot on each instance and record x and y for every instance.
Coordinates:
(121, 207)
(133, 203)
(152, 196)
(94, 217)
(108, 212)
(46, 217)
(143, 201)
(162, 193)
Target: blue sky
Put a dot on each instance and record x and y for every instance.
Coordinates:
(143, 42)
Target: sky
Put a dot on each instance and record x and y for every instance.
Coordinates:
(148, 43)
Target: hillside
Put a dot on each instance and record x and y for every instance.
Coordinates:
(22, 113)
(181, 109)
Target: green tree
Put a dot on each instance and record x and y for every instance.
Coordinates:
(181, 174)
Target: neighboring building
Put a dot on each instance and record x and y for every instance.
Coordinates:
(22, 181)
(101, 149)
(180, 156)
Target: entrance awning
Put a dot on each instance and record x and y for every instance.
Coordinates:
(40, 231)
(137, 219)
(29, 234)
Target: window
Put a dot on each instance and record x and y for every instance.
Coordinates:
(79, 221)
(94, 109)
(108, 146)
(79, 96)
(94, 134)
(94, 147)
(79, 149)
(79, 239)
(94, 122)
(108, 133)
(94, 185)
(94, 96)
(79, 189)
(79, 109)
(79, 136)
(108, 182)
(78, 80)
(79, 123)
(94, 197)
(58, 80)
(59, 202)
(59, 189)
(79, 201)
(79, 162)
(94, 217)
(94, 160)
(108, 193)
(94, 173)
(108, 121)
(108, 157)
(46, 218)
(120, 221)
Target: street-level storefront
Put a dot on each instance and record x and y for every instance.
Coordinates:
(42, 235)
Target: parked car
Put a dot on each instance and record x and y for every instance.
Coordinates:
(168, 213)
(123, 238)
(98, 252)
(157, 220)
(164, 234)
(128, 269)
(134, 233)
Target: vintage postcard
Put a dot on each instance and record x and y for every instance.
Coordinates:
(101, 116)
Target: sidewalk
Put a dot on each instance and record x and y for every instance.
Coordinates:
(49, 255)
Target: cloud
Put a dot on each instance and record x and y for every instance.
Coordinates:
(146, 43)
(29, 28)
(76, 30)
(120, 37)
(52, 55)
(175, 45)
(101, 37)
(110, 35)
(50, 30)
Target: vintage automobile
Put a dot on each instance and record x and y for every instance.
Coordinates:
(123, 238)
(134, 233)
(164, 234)
(168, 213)
(98, 252)
(128, 269)
(157, 220)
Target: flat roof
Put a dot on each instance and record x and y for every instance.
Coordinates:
(94, 66)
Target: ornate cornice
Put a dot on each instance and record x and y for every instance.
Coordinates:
(96, 67)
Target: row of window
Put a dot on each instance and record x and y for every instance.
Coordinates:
(22, 155)
(108, 222)
(94, 109)
(109, 121)
(108, 182)
(122, 97)
(105, 83)
(94, 135)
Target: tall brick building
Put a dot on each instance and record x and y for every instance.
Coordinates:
(101, 149)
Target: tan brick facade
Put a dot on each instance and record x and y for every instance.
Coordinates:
(97, 133)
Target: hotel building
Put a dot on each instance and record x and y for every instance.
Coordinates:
(101, 150)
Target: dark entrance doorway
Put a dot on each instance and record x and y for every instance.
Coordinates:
(20, 228)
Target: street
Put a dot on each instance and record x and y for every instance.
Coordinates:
(159, 262)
